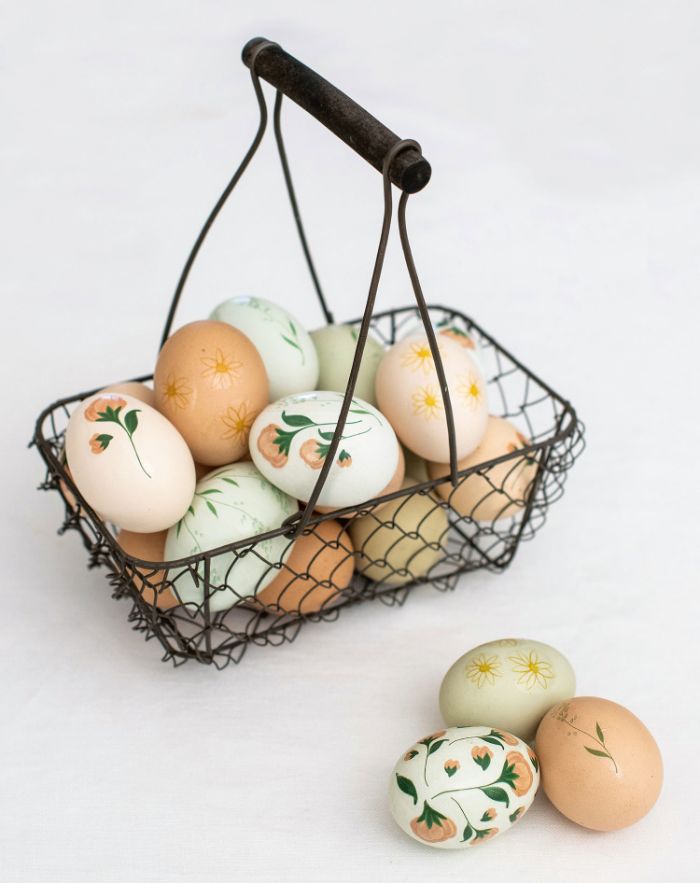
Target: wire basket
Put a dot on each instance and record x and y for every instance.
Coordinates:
(466, 540)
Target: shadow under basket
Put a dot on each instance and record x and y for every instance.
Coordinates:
(444, 541)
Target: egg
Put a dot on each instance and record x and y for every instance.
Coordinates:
(462, 786)
(286, 348)
(130, 464)
(601, 767)
(316, 573)
(408, 393)
(335, 345)
(135, 389)
(230, 504)
(290, 439)
(395, 483)
(210, 382)
(502, 490)
(402, 541)
(148, 581)
(451, 330)
(416, 467)
(510, 683)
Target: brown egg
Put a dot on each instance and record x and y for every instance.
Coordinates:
(393, 486)
(600, 765)
(319, 568)
(500, 492)
(148, 547)
(132, 388)
(211, 384)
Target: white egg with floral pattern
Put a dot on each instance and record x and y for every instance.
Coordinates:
(129, 463)
(290, 439)
(462, 786)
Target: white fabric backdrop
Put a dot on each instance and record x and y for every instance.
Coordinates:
(563, 214)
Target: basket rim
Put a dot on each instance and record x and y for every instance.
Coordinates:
(563, 431)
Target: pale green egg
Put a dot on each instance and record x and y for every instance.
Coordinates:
(335, 345)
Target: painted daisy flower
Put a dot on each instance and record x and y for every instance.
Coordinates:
(532, 670)
(222, 369)
(484, 669)
(426, 402)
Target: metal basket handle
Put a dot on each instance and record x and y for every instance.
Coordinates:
(401, 163)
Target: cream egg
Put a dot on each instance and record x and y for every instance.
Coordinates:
(290, 439)
(601, 767)
(286, 348)
(335, 345)
(130, 464)
(408, 393)
(232, 503)
(462, 786)
(211, 383)
(510, 683)
(403, 540)
(135, 389)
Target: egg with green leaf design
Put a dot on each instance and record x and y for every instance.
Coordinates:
(461, 786)
(231, 503)
(284, 345)
(129, 463)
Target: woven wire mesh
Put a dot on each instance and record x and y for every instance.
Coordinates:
(432, 542)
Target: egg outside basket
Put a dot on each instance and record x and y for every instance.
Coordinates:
(555, 438)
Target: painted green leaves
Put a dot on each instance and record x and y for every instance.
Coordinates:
(407, 786)
(599, 738)
(108, 409)
(602, 751)
(431, 816)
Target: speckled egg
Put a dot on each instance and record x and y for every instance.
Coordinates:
(230, 504)
(290, 439)
(402, 541)
(211, 383)
(285, 347)
(601, 767)
(510, 683)
(408, 393)
(316, 573)
(130, 464)
(460, 787)
(335, 345)
(500, 492)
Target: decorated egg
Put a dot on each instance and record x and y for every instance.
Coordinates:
(315, 574)
(501, 491)
(135, 389)
(149, 581)
(211, 383)
(454, 331)
(290, 440)
(232, 503)
(335, 345)
(462, 786)
(395, 483)
(601, 767)
(511, 683)
(130, 464)
(285, 347)
(408, 393)
(401, 541)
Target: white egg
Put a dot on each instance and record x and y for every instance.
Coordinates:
(130, 464)
(229, 504)
(408, 393)
(290, 439)
(286, 349)
(462, 786)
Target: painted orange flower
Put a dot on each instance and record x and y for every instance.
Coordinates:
(99, 406)
(96, 444)
(222, 369)
(509, 739)
(176, 391)
(310, 453)
(268, 448)
(489, 814)
(482, 755)
(484, 835)
(517, 814)
(439, 830)
(522, 771)
(344, 460)
(451, 767)
(432, 736)
(237, 423)
(409, 755)
(462, 338)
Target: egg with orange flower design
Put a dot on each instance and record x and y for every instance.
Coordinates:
(462, 786)
(211, 383)
(409, 394)
(130, 464)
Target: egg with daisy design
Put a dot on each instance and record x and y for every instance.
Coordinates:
(511, 683)
(409, 394)
(459, 787)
